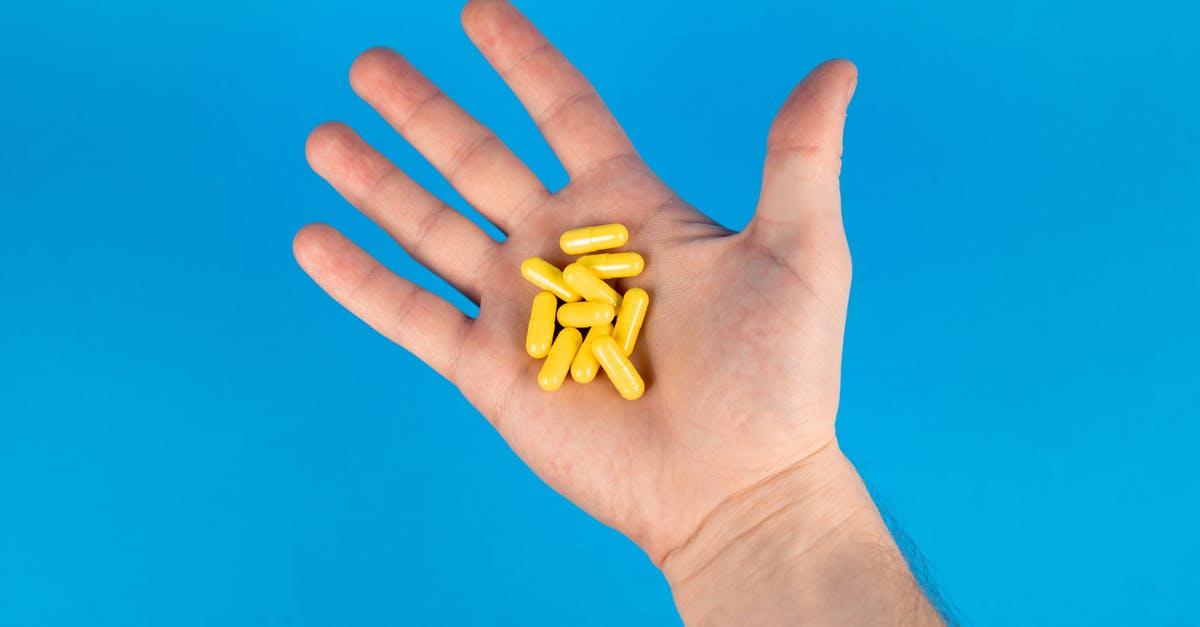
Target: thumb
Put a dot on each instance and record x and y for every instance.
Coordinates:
(800, 196)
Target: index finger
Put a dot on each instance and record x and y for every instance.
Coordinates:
(564, 105)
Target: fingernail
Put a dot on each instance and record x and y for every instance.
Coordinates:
(853, 86)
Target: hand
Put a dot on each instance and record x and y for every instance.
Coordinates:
(742, 346)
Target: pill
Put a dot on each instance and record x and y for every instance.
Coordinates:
(613, 265)
(585, 366)
(585, 314)
(541, 325)
(590, 286)
(622, 373)
(629, 320)
(543, 274)
(558, 362)
(592, 238)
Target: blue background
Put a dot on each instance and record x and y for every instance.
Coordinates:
(192, 433)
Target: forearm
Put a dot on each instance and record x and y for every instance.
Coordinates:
(806, 547)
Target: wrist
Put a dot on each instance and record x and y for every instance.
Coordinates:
(821, 491)
(806, 545)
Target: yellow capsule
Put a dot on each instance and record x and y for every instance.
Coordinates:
(592, 238)
(585, 366)
(629, 320)
(541, 325)
(558, 362)
(590, 286)
(613, 265)
(543, 274)
(622, 373)
(585, 314)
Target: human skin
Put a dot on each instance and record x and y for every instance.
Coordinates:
(727, 471)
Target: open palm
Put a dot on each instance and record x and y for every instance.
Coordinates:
(742, 345)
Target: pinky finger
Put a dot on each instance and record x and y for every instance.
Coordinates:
(424, 324)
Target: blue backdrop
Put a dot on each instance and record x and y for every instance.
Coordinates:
(192, 433)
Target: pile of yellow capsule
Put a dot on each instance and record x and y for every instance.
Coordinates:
(588, 302)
